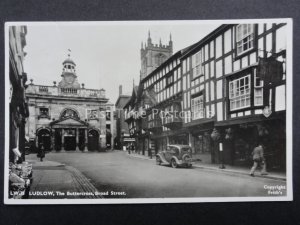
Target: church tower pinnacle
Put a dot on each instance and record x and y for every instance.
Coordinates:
(153, 55)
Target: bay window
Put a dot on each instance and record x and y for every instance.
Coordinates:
(239, 93)
(197, 107)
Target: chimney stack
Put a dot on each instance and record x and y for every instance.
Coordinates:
(120, 90)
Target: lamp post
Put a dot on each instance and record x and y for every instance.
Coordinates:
(222, 166)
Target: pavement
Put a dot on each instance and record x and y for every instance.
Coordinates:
(54, 180)
(227, 169)
(121, 175)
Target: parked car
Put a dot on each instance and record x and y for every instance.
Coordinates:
(175, 155)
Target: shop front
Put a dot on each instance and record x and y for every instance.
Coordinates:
(200, 140)
(239, 140)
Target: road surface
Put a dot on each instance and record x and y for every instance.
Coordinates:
(131, 177)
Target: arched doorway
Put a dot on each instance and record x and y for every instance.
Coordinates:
(93, 140)
(44, 137)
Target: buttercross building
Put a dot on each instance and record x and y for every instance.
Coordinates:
(68, 116)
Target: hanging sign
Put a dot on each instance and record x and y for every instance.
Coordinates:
(267, 111)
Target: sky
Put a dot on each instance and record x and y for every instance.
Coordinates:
(106, 54)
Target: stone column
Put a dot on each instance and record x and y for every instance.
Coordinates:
(62, 140)
(85, 140)
(77, 139)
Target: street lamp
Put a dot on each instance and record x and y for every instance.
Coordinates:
(222, 166)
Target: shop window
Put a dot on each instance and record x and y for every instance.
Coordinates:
(244, 38)
(197, 107)
(197, 64)
(239, 93)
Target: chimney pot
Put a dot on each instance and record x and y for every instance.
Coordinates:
(120, 90)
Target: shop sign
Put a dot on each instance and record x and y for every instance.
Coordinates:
(129, 139)
(267, 111)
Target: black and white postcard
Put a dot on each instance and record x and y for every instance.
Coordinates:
(148, 111)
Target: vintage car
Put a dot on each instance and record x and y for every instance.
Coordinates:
(175, 155)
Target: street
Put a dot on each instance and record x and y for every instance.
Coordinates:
(128, 177)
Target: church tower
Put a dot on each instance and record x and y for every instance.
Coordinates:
(153, 55)
(69, 77)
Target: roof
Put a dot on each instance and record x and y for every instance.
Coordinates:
(205, 40)
(68, 60)
(133, 96)
(124, 99)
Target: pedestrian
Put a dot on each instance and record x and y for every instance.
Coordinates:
(41, 152)
(258, 160)
(129, 149)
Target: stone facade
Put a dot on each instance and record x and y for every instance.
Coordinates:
(67, 116)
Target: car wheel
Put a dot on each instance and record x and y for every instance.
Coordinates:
(174, 163)
(158, 161)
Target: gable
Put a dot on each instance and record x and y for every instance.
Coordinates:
(69, 122)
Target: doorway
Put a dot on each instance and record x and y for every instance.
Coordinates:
(93, 140)
(70, 139)
(44, 138)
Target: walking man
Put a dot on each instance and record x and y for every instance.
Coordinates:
(258, 160)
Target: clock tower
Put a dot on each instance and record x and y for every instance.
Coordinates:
(69, 77)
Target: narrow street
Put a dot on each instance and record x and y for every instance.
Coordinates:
(138, 178)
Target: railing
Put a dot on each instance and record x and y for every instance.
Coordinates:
(43, 89)
(68, 90)
(57, 91)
